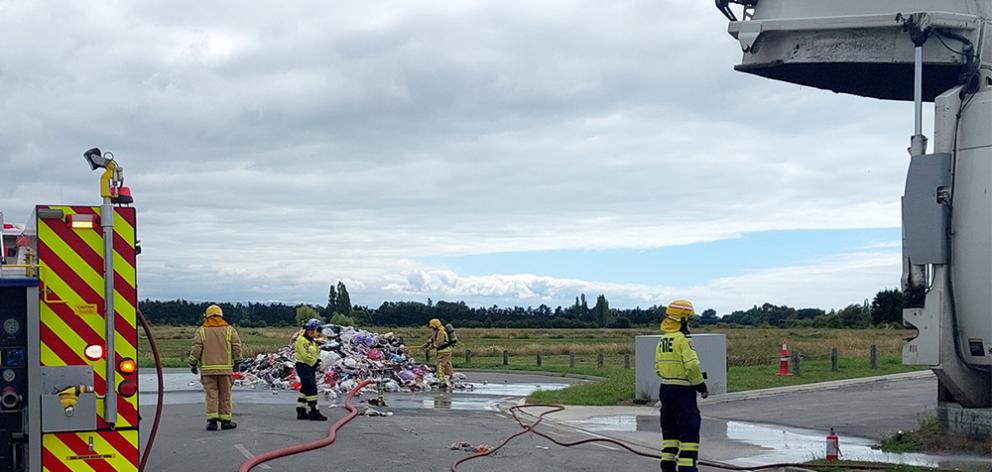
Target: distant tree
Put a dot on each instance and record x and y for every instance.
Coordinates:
(343, 304)
(854, 316)
(620, 323)
(332, 302)
(708, 317)
(342, 320)
(887, 307)
(304, 313)
(601, 311)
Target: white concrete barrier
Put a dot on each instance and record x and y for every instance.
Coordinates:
(712, 350)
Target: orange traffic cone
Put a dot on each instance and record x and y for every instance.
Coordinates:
(783, 362)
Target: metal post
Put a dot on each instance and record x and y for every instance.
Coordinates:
(918, 144)
(874, 356)
(539, 359)
(571, 360)
(795, 363)
(468, 357)
(427, 356)
(506, 358)
(833, 360)
(110, 372)
(599, 360)
(626, 361)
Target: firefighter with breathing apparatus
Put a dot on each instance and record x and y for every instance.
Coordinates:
(307, 349)
(677, 364)
(442, 344)
(216, 346)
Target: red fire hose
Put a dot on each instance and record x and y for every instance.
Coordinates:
(161, 390)
(331, 435)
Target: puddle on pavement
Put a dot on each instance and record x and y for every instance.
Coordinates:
(778, 444)
(512, 389)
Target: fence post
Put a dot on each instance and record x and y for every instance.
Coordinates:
(539, 359)
(506, 357)
(795, 363)
(427, 357)
(599, 360)
(571, 360)
(833, 360)
(626, 361)
(874, 356)
(468, 357)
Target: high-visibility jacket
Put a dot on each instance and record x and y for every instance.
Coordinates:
(216, 345)
(676, 361)
(440, 340)
(306, 349)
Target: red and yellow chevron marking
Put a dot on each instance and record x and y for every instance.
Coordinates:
(72, 304)
(110, 451)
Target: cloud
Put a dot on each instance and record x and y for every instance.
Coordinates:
(275, 149)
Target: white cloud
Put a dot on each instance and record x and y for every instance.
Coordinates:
(277, 148)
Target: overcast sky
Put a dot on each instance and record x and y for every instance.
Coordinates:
(501, 152)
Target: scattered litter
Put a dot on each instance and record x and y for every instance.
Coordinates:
(460, 445)
(348, 356)
(482, 449)
(373, 412)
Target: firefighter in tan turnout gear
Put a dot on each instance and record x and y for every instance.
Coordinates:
(216, 346)
(677, 364)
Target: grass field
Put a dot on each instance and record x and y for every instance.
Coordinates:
(752, 354)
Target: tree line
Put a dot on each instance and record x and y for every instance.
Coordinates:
(885, 310)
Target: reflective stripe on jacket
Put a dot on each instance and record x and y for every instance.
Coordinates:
(215, 348)
(440, 340)
(307, 351)
(676, 361)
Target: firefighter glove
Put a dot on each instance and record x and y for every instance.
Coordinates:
(703, 390)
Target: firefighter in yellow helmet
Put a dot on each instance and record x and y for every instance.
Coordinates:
(216, 346)
(677, 364)
(439, 341)
(306, 348)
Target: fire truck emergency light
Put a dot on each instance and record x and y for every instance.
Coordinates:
(81, 221)
(94, 352)
(127, 366)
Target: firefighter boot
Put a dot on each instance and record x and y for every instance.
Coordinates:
(315, 415)
(212, 425)
(226, 425)
(301, 414)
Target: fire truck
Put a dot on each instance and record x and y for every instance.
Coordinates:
(69, 340)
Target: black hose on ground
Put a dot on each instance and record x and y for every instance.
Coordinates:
(531, 428)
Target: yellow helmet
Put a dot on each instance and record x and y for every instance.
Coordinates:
(435, 323)
(679, 309)
(213, 310)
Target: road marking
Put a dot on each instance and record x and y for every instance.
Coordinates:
(248, 455)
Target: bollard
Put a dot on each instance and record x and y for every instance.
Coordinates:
(599, 360)
(468, 357)
(833, 360)
(626, 361)
(874, 356)
(795, 363)
(571, 360)
(539, 359)
(506, 357)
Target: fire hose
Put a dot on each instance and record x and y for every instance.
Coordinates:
(532, 428)
(331, 435)
(161, 390)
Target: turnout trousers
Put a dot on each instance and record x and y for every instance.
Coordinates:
(444, 369)
(217, 389)
(308, 386)
(680, 423)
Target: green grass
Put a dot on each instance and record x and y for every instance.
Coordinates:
(752, 354)
(741, 379)
(930, 437)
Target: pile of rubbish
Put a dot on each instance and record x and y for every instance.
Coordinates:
(348, 356)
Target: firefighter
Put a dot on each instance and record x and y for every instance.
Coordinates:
(440, 342)
(307, 350)
(677, 364)
(216, 346)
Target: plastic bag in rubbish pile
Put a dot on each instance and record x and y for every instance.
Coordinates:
(348, 356)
